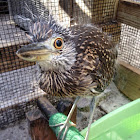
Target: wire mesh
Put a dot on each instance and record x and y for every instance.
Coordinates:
(129, 46)
(18, 86)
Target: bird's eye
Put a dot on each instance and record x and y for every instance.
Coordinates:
(58, 43)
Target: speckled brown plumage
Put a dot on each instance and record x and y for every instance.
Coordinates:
(93, 68)
(86, 61)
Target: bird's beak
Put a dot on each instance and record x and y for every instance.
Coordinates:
(35, 52)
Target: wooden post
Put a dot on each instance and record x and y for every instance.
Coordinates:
(128, 80)
(38, 119)
(39, 127)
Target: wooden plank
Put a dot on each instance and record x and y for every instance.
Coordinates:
(128, 80)
(38, 119)
(39, 127)
(129, 13)
(136, 70)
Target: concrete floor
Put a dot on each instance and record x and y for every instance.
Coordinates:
(112, 101)
(17, 132)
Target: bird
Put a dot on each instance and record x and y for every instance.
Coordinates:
(72, 61)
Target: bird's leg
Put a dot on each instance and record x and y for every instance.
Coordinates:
(92, 109)
(95, 100)
(67, 124)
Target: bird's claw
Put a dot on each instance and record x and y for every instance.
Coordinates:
(65, 125)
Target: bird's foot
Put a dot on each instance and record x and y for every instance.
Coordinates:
(66, 123)
(63, 126)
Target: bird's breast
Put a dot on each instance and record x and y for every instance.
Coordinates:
(71, 83)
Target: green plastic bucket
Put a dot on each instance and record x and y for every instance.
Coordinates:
(121, 124)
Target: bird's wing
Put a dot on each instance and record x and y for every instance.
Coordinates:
(96, 55)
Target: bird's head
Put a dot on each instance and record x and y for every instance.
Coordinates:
(51, 46)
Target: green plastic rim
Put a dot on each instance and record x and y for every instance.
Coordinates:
(121, 124)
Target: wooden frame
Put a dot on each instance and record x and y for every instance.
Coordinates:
(129, 13)
(128, 77)
(128, 80)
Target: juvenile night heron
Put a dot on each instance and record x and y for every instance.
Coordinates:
(73, 62)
